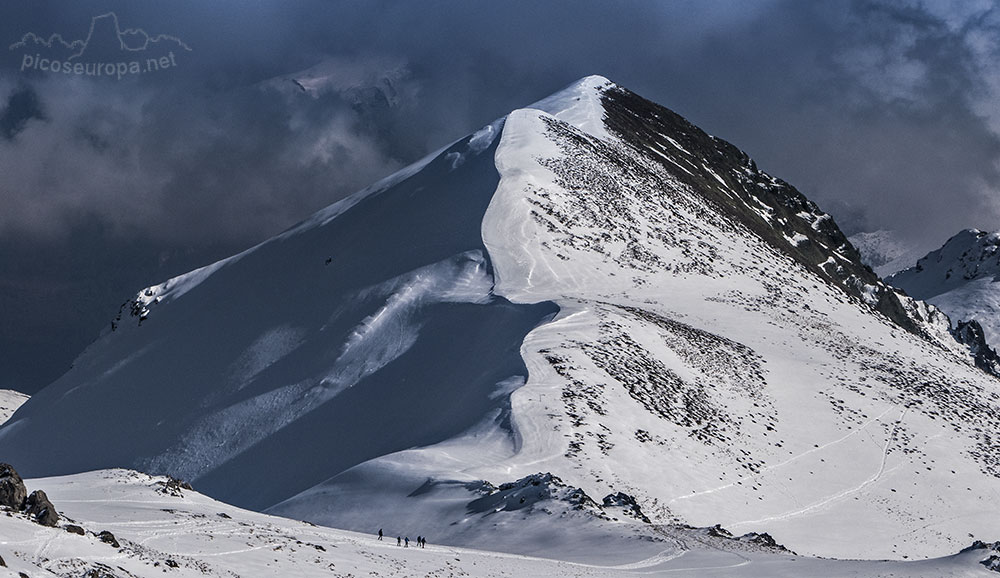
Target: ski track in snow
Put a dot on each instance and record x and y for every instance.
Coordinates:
(845, 493)
(797, 457)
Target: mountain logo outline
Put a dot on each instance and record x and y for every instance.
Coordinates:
(106, 51)
(80, 46)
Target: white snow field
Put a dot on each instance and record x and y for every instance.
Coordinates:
(10, 400)
(585, 314)
(163, 530)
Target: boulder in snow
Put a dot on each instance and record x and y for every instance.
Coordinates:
(41, 509)
(108, 538)
(12, 490)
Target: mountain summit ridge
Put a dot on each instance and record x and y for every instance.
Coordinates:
(590, 287)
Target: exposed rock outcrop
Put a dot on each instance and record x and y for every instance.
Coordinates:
(627, 503)
(41, 509)
(12, 490)
(108, 538)
(971, 334)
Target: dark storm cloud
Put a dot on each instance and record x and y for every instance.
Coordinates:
(881, 106)
(22, 106)
(886, 113)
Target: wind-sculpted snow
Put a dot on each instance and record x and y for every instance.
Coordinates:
(369, 329)
(376, 341)
(265, 352)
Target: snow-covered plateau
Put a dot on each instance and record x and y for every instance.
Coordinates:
(580, 336)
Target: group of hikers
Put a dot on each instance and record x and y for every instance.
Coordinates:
(405, 541)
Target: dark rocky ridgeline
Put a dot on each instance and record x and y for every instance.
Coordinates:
(971, 334)
(747, 195)
(765, 540)
(14, 495)
(717, 531)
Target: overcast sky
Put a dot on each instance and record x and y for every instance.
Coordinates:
(887, 113)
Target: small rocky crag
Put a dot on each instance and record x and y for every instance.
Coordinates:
(762, 539)
(546, 492)
(14, 496)
(970, 333)
(992, 562)
(41, 509)
(173, 487)
(12, 490)
(108, 538)
(628, 505)
(529, 491)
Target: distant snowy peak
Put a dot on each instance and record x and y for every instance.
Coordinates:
(885, 252)
(581, 104)
(961, 278)
(969, 255)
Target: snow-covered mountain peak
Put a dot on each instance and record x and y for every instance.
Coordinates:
(591, 287)
(971, 254)
(961, 279)
(886, 252)
(579, 104)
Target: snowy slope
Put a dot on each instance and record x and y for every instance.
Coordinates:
(833, 418)
(705, 368)
(10, 400)
(960, 278)
(162, 531)
(223, 369)
(590, 288)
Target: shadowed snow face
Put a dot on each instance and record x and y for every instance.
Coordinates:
(369, 329)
